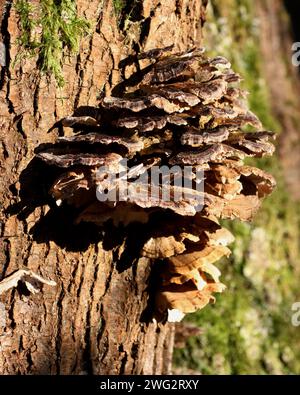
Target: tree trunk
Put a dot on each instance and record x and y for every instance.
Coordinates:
(283, 81)
(94, 320)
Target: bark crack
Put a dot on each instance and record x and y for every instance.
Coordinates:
(7, 257)
(5, 72)
(58, 337)
(123, 360)
(88, 344)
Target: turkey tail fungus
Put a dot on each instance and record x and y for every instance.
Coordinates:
(185, 111)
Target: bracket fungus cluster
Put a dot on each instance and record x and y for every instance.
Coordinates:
(180, 110)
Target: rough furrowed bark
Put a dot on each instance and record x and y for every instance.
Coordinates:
(94, 321)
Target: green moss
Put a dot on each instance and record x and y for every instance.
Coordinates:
(119, 6)
(126, 12)
(47, 31)
(27, 24)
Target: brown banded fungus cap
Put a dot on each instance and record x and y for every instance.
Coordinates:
(187, 110)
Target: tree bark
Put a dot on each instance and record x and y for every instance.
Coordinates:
(94, 321)
(283, 81)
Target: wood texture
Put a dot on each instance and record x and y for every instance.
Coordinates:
(94, 320)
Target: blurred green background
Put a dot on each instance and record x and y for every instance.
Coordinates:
(248, 330)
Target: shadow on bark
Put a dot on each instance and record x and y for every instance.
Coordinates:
(59, 225)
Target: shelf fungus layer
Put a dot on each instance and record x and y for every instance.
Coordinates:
(187, 120)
